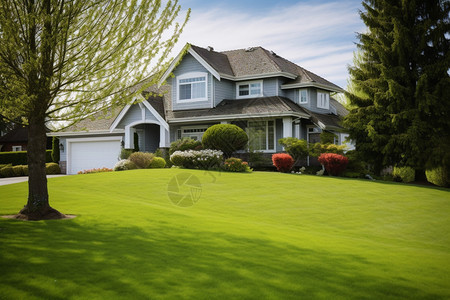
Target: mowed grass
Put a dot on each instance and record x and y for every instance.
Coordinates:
(249, 236)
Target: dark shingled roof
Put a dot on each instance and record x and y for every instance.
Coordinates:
(252, 106)
(217, 60)
(157, 102)
(330, 121)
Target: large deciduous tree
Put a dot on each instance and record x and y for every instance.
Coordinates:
(400, 78)
(64, 59)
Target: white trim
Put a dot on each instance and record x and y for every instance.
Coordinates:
(249, 83)
(204, 63)
(267, 137)
(92, 132)
(81, 140)
(259, 76)
(300, 96)
(142, 110)
(326, 104)
(312, 84)
(153, 111)
(287, 127)
(120, 116)
(232, 117)
(191, 75)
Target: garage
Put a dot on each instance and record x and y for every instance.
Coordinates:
(90, 153)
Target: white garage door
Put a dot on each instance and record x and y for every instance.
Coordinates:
(85, 154)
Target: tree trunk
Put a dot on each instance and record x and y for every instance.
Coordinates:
(37, 207)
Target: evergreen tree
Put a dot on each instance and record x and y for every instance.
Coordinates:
(65, 59)
(401, 86)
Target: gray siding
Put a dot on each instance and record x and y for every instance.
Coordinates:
(149, 116)
(133, 114)
(224, 89)
(313, 102)
(281, 92)
(190, 64)
(270, 87)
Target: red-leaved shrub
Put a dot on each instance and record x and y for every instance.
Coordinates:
(334, 163)
(283, 162)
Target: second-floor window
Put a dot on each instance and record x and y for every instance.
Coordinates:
(302, 96)
(249, 89)
(323, 100)
(192, 87)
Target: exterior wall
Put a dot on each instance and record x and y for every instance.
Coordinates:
(313, 102)
(224, 89)
(190, 64)
(7, 147)
(270, 87)
(133, 114)
(278, 134)
(148, 137)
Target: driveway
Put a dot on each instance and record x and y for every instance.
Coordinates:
(11, 180)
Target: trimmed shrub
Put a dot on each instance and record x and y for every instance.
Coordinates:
(55, 150)
(297, 148)
(16, 158)
(17, 170)
(52, 168)
(185, 144)
(5, 165)
(158, 163)
(227, 138)
(283, 161)
(125, 153)
(234, 164)
(404, 174)
(25, 170)
(439, 176)
(334, 163)
(203, 159)
(96, 170)
(124, 164)
(318, 148)
(6, 172)
(141, 159)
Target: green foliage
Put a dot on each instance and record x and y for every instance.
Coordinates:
(185, 144)
(234, 164)
(95, 170)
(327, 137)
(55, 149)
(157, 163)
(124, 164)
(125, 153)
(257, 160)
(227, 138)
(318, 148)
(25, 170)
(404, 174)
(17, 171)
(52, 168)
(439, 176)
(297, 148)
(141, 159)
(136, 142)
(400, 86)
(20, 157)
(6, 171)
(203, 159)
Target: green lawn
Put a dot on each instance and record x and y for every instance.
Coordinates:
(249, 236)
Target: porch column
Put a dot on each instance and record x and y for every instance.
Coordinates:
(129, 137)
(163, 137)
(287, 127)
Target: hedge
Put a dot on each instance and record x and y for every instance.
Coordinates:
(16, 158)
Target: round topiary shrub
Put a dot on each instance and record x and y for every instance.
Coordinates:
(335, 164)
(404, 174)
(158, 163)
(124, 164)
(141, 159)
(52, 168)
(439, 176)
(283, 161)
(225, 137)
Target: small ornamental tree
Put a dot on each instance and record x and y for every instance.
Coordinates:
(283, 162)
(225, 137)
(55, 149)
(334, 163)
(297, 148)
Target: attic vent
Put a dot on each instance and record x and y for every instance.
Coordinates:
(210, 48)
(249, 49)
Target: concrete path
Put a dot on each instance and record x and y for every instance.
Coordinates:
(11, 180)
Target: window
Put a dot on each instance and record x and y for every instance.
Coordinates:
(261, 135)
(192, 87)
(323, 100)
(16, 148)
(302, 96)
(195, 133)
(249, 89)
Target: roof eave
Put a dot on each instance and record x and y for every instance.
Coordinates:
(235, 116)
(312, 84)
(259, 76)
(90, 132)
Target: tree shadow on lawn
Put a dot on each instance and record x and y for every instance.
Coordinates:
(66, 259)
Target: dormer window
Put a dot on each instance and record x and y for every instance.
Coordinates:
(192, 87)
(323, 100)
(302, 96)
(249, 89)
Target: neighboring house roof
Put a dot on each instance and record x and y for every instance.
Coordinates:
(18, 134)
(252, 63)
(253, 107)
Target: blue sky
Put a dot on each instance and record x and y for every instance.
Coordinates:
(317, 35)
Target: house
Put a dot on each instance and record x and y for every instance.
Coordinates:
(254, 88)
(16, 139)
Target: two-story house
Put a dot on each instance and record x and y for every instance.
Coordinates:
(263, 93)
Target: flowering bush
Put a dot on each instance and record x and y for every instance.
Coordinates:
(334, 163)
(141, 159)
(185, 144)
(97, 170)
(234, 164)
(202, 159)
(283, 162)
(125, 164)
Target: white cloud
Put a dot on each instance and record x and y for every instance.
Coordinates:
(319, 37)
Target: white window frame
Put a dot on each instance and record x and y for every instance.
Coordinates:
(16, 148)
(267, 150)
(323, 100)
(238, 84)
(300, 96)
(192, 75)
